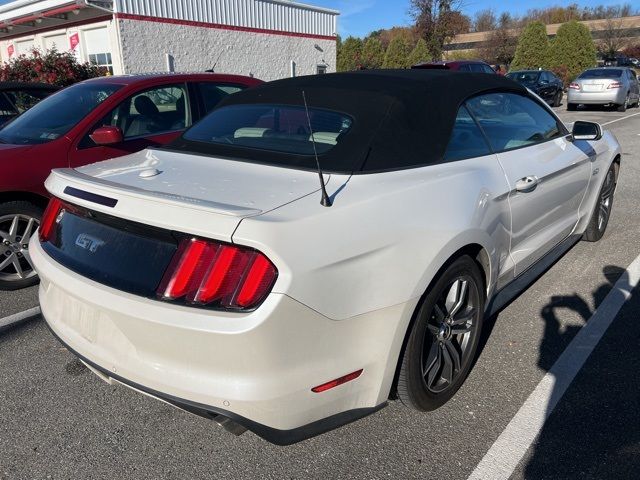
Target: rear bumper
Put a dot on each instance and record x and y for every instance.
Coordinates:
(604, 97)
(256, 368)
(273, 435)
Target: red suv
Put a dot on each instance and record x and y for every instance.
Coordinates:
(459, 65)
(85, 123)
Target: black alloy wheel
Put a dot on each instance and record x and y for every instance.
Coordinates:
(444, 339)
(602, 212)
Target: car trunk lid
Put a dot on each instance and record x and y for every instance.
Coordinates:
(194, 194)
(121, 222)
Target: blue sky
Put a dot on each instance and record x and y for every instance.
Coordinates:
(359, 17)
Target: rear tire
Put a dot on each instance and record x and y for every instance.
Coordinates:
(16, 270)
(602, 211)
(572, 107)
(557, 100)
(623, 107)
(444, 338)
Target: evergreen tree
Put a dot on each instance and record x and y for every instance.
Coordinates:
(397, 55)
(572, 50)
(372, 53)
(350, 54)
(420, 53)
(532, 50)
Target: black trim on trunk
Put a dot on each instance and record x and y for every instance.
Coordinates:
(273, 435)
(91, 197)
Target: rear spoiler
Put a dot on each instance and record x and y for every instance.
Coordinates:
(70, 182)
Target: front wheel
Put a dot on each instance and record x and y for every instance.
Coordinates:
(557, 99)
(601, 214)
(18, 221)
(444, 338)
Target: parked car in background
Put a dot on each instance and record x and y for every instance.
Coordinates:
(475, 66)
(542, 82)
(213, 274)
(90, 121)
(620, 61)
(18, 97)
(615, 86)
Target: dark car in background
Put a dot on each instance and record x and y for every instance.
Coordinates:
(475, 66)
(88, 122)
(18, 97)
(542, 82)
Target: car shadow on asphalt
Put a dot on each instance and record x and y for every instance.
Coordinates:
(594, 430)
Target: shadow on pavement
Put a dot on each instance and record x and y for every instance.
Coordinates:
(594, 432)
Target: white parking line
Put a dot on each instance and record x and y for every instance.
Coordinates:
(504, 455)
(618, 119)
(19, 317)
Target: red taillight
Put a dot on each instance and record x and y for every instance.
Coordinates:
(261, 275)
(615, 85)
(338, 381)
(186, 265)
(204, 272)
(49, 218)
(574, 86)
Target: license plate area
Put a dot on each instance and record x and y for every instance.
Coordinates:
(597, 87)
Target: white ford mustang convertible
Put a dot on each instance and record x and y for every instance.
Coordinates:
(316, 245)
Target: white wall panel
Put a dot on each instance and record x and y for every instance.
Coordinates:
(268, 57)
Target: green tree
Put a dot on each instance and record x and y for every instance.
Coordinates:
(420, 53)
(372, 53)
(532, 50)
(350, 54)
(572, 50)
(397, 55)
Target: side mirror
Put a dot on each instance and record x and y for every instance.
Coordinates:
(586, 131)
(107, 135)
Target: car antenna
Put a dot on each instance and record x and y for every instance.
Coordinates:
(326, 201)
(213, 69)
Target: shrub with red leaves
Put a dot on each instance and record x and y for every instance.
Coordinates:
(52, 66)
(562, 72)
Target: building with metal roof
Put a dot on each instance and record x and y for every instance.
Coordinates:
(266, 38)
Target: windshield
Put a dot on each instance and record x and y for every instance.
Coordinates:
(602, 73)
(54, 116)
(524, 77)
(276, 128)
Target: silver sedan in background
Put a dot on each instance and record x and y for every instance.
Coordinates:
(605, 86)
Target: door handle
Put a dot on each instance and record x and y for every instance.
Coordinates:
(527, 184)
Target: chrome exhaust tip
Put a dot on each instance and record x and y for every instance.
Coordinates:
(229, 425)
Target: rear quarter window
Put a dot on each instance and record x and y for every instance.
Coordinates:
(213, 93)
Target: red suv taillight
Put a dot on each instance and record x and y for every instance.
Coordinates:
(204, 272)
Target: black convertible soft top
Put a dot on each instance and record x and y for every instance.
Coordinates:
(401, 118)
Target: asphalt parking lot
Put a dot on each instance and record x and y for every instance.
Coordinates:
(59, 421)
